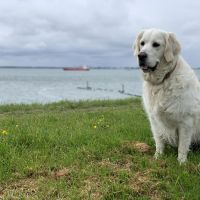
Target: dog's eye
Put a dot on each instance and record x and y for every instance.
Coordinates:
(142, 43)
(155, 44)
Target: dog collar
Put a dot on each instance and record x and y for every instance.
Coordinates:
(168, 74)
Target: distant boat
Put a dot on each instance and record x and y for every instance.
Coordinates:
(81, 68)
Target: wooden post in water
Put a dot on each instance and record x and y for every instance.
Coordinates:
(87, 86)
(123, 89)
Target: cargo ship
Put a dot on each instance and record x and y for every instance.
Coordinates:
(81, 68)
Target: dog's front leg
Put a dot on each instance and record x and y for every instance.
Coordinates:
(184, 143)
(159, 146)
(157, 135)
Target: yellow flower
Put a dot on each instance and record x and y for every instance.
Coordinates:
(4, 132)
(94, 126)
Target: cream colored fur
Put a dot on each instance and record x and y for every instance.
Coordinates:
(172, 102)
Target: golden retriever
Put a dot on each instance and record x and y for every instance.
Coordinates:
(171, 91)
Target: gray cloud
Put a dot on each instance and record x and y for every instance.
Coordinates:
(93, 32)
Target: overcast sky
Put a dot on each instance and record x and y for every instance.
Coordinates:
(92, 32)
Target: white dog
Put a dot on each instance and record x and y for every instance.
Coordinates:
(171, 91)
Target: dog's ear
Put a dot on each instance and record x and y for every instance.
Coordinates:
(136, 45)
(172, 47)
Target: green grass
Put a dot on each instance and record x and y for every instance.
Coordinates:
(86, 150)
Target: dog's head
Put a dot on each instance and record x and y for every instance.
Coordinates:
(153, 47)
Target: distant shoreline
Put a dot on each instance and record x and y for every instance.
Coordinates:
(91, 68)
(43, 67)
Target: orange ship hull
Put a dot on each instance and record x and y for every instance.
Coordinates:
(76, 69)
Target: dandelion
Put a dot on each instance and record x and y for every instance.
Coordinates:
(94, 126)
(4, 132)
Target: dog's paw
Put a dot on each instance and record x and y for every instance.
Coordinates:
(182, 159)
(157, 155)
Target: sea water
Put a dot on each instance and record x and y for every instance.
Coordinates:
(50, 85)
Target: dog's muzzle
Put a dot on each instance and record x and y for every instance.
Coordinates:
(142, 57)
(146, 68)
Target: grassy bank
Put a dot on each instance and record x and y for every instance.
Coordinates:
(88, 150)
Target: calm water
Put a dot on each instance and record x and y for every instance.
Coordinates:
(50, 85)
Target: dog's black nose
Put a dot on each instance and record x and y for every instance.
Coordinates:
(142, 56)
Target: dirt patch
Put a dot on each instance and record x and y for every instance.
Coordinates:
(119, 165)
(91, 189)
(26, 187)
(143, 184)
(138, 146)
(61, 173)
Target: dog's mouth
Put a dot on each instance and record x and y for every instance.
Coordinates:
(146, 68)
